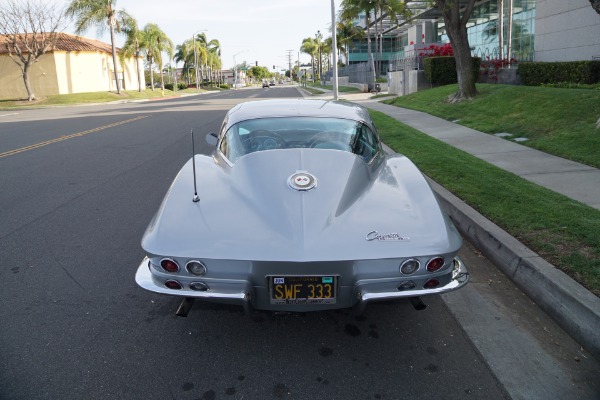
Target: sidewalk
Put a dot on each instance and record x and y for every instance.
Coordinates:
(575, 309)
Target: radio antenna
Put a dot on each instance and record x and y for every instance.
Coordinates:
(195, 198)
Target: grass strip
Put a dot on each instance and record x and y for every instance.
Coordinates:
(564, 232)
(557, 121)
(341, 89)
(85, 98)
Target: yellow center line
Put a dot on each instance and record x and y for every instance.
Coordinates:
(60, 139)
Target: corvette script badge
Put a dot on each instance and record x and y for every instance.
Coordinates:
(374, 235)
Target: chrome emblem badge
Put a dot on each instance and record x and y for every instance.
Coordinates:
(374, 235)
(302, 181)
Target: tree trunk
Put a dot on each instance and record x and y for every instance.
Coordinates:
(30, 94)
(114, 57)
(456, 26)
(137, 68)
(174, 70)
(371, 60)
(151, 75)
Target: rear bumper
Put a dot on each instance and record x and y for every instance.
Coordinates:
(243, 293)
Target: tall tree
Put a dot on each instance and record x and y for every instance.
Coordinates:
(456, 20)
(214, 56)
(310, 47)
(320, 47)
(347, 34)
(352, 9)
(155, 42)
(185, 53)
(391, 9)
(29, 29)
(132, 48)
(102, 14)
(596, 7)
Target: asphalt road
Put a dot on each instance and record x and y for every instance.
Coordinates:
(78, 188)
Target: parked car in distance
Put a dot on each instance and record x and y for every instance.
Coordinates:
(265, 84)
(299, 208)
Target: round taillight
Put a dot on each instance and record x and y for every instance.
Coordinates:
(409, 266)
(195, 268)
(169, 265)
(435, 263)
(173, 285)
(432, 283)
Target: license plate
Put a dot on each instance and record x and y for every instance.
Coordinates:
(303, 289)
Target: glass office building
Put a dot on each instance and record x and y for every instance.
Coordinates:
(483, 30)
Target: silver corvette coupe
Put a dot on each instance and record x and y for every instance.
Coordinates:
(300, 209)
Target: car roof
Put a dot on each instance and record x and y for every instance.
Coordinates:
(298, 108)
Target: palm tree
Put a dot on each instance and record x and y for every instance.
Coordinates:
(184, 53)
(327, 48)
(347, 33)
(155, 42)
(132, 48)
(99, 13)
(392, 9)
(351, 9)
(214, 55)
(309, 46)
(320, 47)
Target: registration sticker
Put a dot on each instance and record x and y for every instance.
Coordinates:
(278, 281)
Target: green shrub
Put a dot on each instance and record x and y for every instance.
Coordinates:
(181, 85)
(442, 70)
(543, 73)
(224, 86)
(169, 86)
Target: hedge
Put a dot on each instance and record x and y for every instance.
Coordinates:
(540, 73)
(442, 70)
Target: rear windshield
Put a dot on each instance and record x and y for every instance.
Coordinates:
(299, 132)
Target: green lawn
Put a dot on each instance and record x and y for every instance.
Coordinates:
(92, 97)
(341, 89)
(564, 232)
(557, 121)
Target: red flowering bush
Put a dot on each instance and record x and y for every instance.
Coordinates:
(435, 50)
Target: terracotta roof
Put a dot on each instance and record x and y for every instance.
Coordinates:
(68, 42)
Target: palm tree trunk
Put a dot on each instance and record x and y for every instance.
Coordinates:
(137, 68)
(376, 43)
(371, 61)
(114, 57)
(151, 76)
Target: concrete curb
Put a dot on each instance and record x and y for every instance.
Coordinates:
(572, 306)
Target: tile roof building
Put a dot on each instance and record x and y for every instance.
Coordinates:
(74, 64)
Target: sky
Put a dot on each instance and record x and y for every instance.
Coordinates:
(248, 30)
